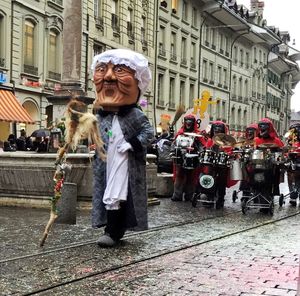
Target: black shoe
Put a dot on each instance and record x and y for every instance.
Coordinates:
(105, 241)
(176, 198)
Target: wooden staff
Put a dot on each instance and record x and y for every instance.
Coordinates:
(79, 125)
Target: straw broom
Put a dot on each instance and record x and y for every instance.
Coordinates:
(79, 125)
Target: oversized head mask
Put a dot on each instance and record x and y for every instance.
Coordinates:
(121, 76)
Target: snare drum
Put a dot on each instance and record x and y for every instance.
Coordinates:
(222, 159)
(208, 157)
(190, 161)
(259, 159)
(257, 156)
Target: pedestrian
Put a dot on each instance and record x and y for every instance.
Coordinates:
(119, 196)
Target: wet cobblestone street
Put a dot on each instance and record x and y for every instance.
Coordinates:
(186, 251)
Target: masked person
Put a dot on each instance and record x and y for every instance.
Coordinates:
(267, 134)
(250, 134)
(267, 137)
(119, 195)
(223, 177)
(185, 179)
(293, 172)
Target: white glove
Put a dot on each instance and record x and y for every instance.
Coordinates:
(124, 147)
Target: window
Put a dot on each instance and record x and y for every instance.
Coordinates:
(97, 8)
(194, 17)
(204, 73)
(183, 48)
(161, 45)
(240, 94)
(193, 55)
(246, 89)
(219, 73)
(182, 90)
(2, 43)
(172, 93)
(115, 15)
(234, 86)
(211, 72)
(235, 54)
(184, 10)
(130, 30)
(98, 48)
(160, 81)
(225, 77)
(173, 47)
(213, 36)
(144, 30)
(53, 57)
(192, 91)
(241, 57)
(29, 44)
(254, 55)
(247, 60)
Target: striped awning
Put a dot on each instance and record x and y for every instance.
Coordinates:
(11, 110)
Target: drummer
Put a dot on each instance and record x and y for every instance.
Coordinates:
(267, 137)
(250, 133)
(219, 131)
(293, 176)
(267, 134)
(185, 179)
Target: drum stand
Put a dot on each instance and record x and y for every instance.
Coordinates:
(250, 202)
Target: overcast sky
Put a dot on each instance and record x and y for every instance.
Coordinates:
(286, 16)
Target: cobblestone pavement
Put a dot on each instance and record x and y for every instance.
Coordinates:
(71, 254)
(253, 263)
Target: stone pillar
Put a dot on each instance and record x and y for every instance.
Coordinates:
(71, 84)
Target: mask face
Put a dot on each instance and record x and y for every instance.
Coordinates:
(218, 129)
(116, 85)
(250, 133)
(189, 124)
(264, 129)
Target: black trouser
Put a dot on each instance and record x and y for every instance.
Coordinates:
(116, 223)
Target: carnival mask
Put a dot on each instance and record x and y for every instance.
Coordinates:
(264, 129)
(116, 85)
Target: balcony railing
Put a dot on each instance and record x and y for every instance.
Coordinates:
(193, 65)
(99, 23)
(54, 76)
(162, 52)
(173, 57)
(183, 61)
(29, 69)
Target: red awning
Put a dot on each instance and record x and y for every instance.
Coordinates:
(11, 110)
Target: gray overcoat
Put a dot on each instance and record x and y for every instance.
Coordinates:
(138, 132)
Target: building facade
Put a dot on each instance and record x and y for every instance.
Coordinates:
(226, 49)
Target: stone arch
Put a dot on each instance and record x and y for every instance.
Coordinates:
(34, 111)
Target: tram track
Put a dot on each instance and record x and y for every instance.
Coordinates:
(155, 254)
(128, 235)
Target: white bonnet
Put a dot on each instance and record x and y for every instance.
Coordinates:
(131, 59)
